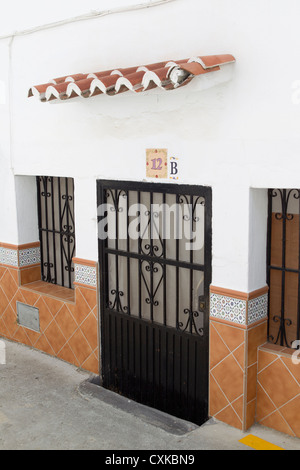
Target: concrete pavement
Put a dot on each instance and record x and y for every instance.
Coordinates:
(46, 403)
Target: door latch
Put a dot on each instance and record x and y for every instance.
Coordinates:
(202, 303)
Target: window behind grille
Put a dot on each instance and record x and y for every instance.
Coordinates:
(56, 229)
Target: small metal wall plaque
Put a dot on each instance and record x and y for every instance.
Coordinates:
(28, 316)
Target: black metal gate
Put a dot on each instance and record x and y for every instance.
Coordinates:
(155, 272)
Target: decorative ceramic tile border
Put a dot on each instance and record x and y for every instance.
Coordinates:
(29, 256)
(85, 272)
(9, 255)
(228, 308)
(257, 308)
(238, 307)
(20, 256)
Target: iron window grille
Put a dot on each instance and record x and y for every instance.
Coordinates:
(56, 229)
(283, 266)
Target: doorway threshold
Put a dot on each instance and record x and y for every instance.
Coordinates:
(93, 388)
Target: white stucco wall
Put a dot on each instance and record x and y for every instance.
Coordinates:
(233, 136)
(17, 15)
(8, 216)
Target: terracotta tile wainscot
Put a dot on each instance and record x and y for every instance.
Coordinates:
(278, 389)
(238, 326)
(68, 317)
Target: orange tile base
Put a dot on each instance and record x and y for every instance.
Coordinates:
(278, 390)
(68, 330)
(227, 366)
(233, 372)
(233, 362)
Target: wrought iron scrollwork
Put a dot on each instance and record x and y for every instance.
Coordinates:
(67, 232)
(44, 180)
(152, 249)
(192, 206)
(46, 275)
(115, 197)
(191, 324)
(285, 199)
(116, 304)
(150, 281)
(152, 290)
(283, 322)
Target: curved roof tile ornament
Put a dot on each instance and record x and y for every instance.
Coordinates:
(167, 75)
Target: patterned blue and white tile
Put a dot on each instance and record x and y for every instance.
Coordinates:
(257, 308)
(228, 308)
(29, 256)
(9, 256)
(86, 275)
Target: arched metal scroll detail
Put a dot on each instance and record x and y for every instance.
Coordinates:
(191, 326)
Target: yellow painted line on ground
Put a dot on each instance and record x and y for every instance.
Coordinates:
(258, 444)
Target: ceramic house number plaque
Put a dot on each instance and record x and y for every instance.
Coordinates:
(157, 163)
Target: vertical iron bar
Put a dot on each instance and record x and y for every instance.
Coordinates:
(172, 387)
(164, 265)
(122, 355)
(117, 247)
(115, 334)
(207, 262)
(110, 348)
(180, 371)
(188, 374)
(166, 372)
(146, 346)
(159, 365)
(298, 306)
(195, 369)
(282, 323)
(38, 182)
(139, 261)
(270, 211)
(177, 259)
(103, 291)
(68, 230)
(48, 277)
(191, 261)
(151, 263)
(72, 215)
(61, 232)
(128, 258)
(53, 233)
(153, 365)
